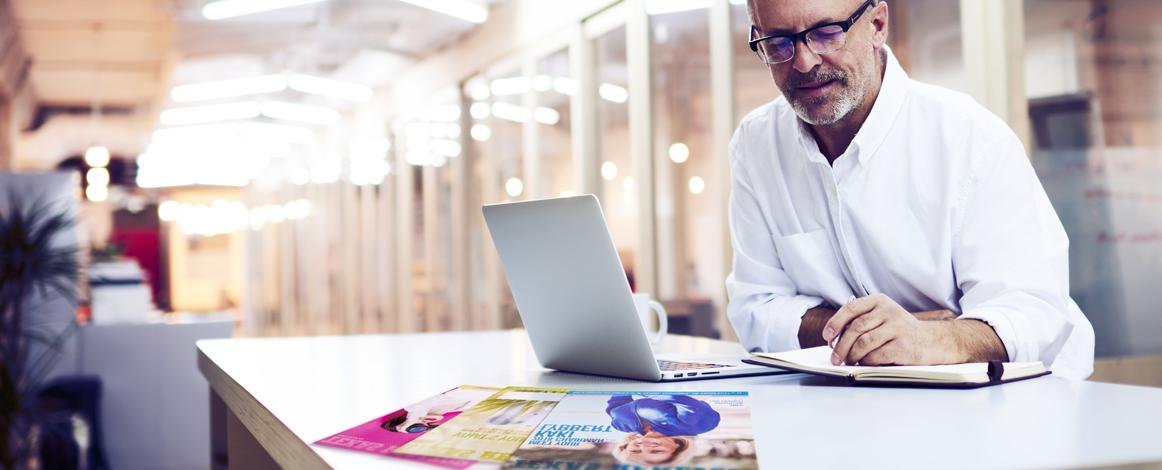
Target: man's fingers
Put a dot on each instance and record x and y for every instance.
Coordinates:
(868, 342)
(847, 313)
(887, 354)
(856, 329)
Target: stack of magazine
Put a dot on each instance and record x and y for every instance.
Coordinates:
(525, 427)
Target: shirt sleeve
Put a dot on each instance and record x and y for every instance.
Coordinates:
(764, 305)
(1011, 255)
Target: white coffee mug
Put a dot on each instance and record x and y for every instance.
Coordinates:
(644, 306)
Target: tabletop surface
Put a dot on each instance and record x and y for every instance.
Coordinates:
(304, 389)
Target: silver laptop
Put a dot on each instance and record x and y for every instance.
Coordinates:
(574, 298)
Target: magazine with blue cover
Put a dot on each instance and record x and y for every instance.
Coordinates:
(649, 430)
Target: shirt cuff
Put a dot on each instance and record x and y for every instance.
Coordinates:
(783, 329)
(1002, 324)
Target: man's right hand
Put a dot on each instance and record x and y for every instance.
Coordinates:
(811, 326)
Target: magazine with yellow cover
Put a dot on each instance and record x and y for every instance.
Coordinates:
(491, 430)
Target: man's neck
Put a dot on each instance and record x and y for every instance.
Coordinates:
(833, 139)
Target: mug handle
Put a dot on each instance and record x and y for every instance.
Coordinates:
(663, 320)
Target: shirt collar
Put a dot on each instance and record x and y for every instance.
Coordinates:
(884, 110)
(879, 121)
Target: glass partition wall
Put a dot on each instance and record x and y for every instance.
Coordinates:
(1095, 112)
(690, 243)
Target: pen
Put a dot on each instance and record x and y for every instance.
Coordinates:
(835, 340)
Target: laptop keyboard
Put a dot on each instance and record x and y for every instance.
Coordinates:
(677, 365)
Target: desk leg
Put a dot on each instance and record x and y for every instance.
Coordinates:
(218, 441)
(232, 446)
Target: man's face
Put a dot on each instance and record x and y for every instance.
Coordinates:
(822, 88)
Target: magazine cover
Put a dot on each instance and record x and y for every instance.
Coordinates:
(626, 430)
(387, 433)
(491, 430)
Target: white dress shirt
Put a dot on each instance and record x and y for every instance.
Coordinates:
(933, 204)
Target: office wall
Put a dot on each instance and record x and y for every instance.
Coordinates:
(1096, 107)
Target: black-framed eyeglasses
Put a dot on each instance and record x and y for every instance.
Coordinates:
(822, 39)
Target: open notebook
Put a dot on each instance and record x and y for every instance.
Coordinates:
(818, 361)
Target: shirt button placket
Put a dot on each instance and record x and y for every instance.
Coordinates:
(841, 238)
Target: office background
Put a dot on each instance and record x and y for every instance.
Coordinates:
(352, 204)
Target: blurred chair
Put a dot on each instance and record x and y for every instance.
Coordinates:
(72, 436)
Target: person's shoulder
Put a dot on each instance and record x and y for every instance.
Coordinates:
(942, 107)
(763, 116)
(758, 127)
(980, 137)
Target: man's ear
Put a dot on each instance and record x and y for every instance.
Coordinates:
(879, 24)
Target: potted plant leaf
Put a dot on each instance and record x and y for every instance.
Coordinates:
(34, 269)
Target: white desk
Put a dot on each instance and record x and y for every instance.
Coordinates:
(289, 392)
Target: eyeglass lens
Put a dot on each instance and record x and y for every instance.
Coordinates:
(821, 40)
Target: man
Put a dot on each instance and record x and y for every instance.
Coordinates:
(900, 222)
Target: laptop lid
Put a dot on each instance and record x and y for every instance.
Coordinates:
(570, 287)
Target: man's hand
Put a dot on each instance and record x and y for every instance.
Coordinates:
(813, 321)
(875, 330)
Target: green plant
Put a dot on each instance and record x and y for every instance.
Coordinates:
(31, 269)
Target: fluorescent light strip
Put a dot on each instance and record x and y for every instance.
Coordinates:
(299, 112)
(330, 88)
(464, 9)
(228, 88)
(614, 93)
(209, 113)
(231, 8)
(661, 7)
(262, 131)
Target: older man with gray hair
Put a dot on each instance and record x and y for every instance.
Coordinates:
(897, 221)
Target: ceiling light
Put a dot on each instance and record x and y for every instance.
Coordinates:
(446, 148)
(481, 132)
(168, 211)
(609, 171)
(299, 112)
(223, 9)
(228, 88)
(697, 185)
(97, 193)
(615, 93)
(510, 112)
(514, 186)
(661, 7)
(542, 83)
(97, 176)
(330, 88)
(547, 116)
(464, 9)
(509, 86)
(97, 156)
(209, 113)
(479, 92)
(679, 152)
(565, 86)
(479, 110)
(444, 113)
(251, 130)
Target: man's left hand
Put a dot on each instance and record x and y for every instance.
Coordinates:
(875, 330)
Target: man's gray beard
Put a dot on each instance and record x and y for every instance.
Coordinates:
(849, 97)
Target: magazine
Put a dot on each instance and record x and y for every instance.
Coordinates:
(626, 430)
(491, 430)
(387, 433)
